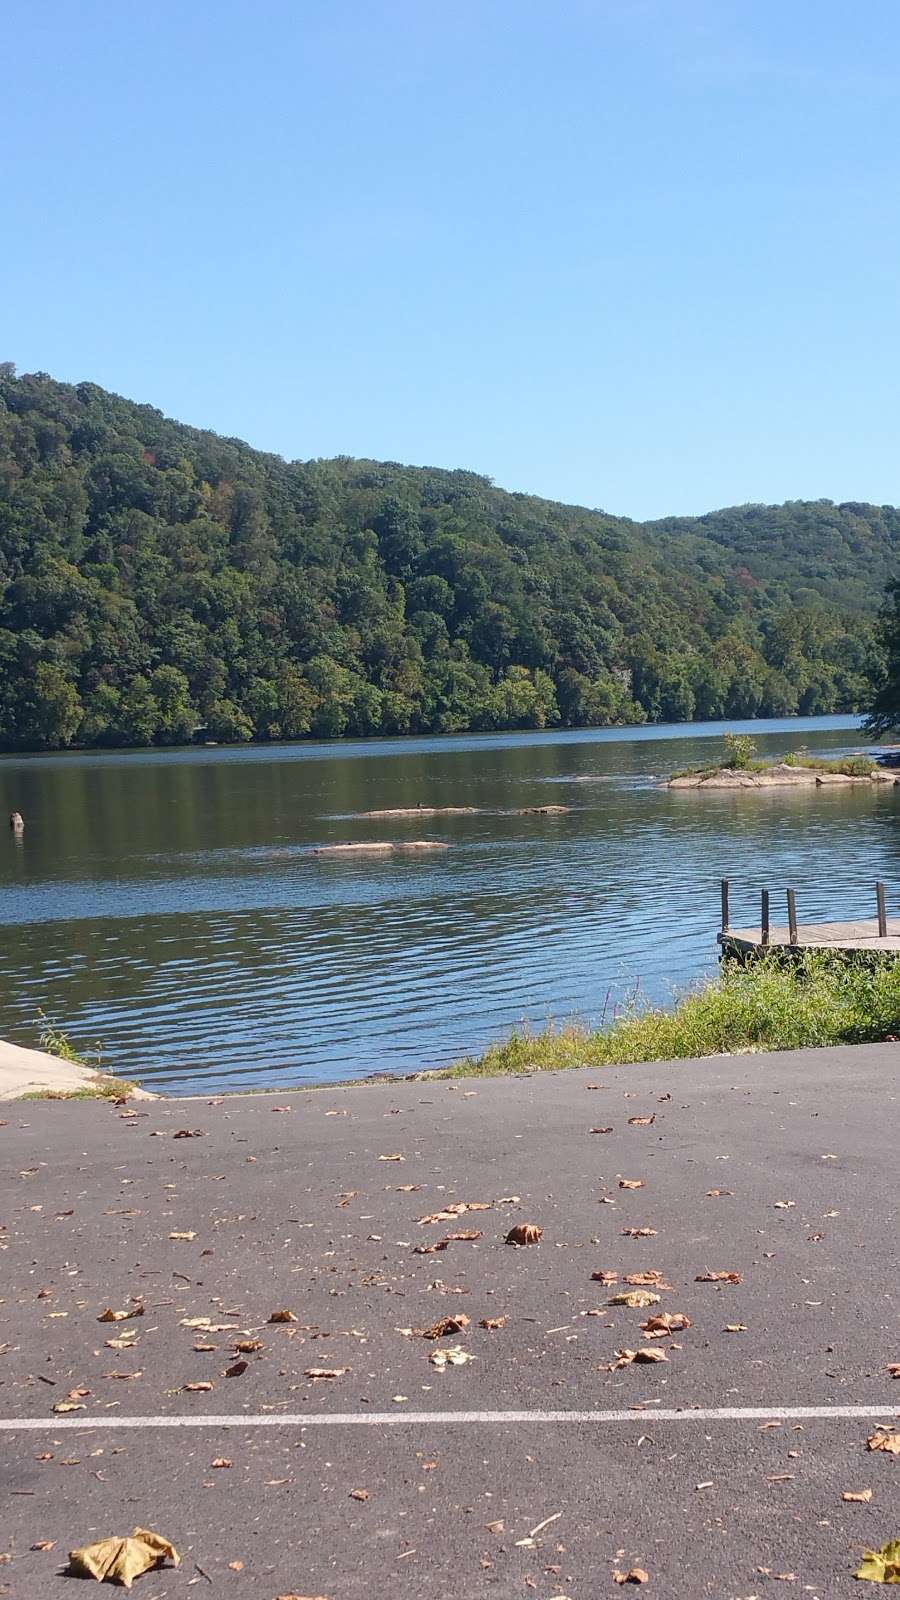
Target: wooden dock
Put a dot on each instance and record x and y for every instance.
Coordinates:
(879, 936)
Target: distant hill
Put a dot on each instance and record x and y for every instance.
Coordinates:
(159, 583)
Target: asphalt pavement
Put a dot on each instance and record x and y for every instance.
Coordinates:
(326, 1453)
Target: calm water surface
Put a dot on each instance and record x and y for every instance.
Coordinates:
(168, 903)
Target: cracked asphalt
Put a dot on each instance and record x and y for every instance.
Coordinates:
(200, 1219)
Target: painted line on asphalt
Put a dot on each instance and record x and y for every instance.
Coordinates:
(437, 1419)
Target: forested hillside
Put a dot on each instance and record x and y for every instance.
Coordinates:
(159, 583)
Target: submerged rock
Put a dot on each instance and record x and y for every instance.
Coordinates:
(381, 847)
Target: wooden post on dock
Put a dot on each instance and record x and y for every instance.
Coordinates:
(725, 918)
(882, 911)
(764, 918)
(792, 915)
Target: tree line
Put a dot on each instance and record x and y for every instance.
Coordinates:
(160, 584)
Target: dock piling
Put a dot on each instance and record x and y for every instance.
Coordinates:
(764, 918)
(725, 918)
(882, 911)
(792, 915)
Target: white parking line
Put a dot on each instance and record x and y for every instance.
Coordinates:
(440, 1419)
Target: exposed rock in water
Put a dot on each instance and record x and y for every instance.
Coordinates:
(779, 776)
(425, 811)
(382, 847)
(538, 811)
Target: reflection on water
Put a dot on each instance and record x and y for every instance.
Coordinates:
(169, 903)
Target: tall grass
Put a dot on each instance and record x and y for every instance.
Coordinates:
(777, 1003)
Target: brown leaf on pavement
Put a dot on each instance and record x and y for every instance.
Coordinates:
(189, 1133)
(735, 1327)
(626, 1358)
(883, 1439)
(635, 1575)
(455, 1210)
(493, 1322)
(283, 1316)
(221, 1461)
(646, 1280)
(201, 1386)
(636, 1299)
(601, 1130)
(631, 1183)
(359, 1494)
(446, 1325)
(392, 1158)
(236, 1368)
(465, 1235)
(665, 1322)
(718, 1277)
(246, 1347)
(862, 1496)
(718, 1194)
(639, 1233)
(894, 1369)
(604, 1277)
(326, 1372)
(525, 1233)
(641, 1122)
(122, 1560)
(43, 1544)
(109, 1315)
(187, 1235)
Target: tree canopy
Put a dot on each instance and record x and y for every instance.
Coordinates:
(159, 583)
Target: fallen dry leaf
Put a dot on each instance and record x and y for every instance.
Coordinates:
(189, 1133)
(190, 1234)
(863, 1496)
(604, 1277)
(69, 1405)
(283, 1316)
(637, 1299)
(883, 1439)
(644, 1280)
(601, 1130)
(446, 1325)
(641, 1122)
(359, 1494)
(735, 1327)
(245, 1347)
(455, 1356)
(881, 1566)
(664, 1322)
(639, 1233)
(221, 1461)
(718, 1277)
(626, 1358)
(635, 1575)
(326, 1372)
(458, 1208)
(236, 1368)
(493, 1322)
(717, 1194)
(631, 1183)
(43, 1544)
(122, 1560)
(200, 1387)
(109, 1315)
(392, 1158)
(465, 1235)
(894, 1369)
(525, 1233)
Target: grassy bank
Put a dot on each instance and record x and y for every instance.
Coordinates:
(776, 1004)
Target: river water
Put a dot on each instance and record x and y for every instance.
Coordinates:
(168, 903)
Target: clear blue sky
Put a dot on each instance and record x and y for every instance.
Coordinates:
(639, 254)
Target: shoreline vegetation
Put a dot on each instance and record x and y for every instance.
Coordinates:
(738, 769)
(776, 1003)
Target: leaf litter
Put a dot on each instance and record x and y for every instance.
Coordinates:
(122, 1560)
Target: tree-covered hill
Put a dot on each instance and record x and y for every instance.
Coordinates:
(159, 583)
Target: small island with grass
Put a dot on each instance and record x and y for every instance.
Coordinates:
(738, 769)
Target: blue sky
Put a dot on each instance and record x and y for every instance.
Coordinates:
(638, 254)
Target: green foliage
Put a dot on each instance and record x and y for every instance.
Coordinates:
(159, 584)
(884, 706)
(776, 1003)
(739, 751)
